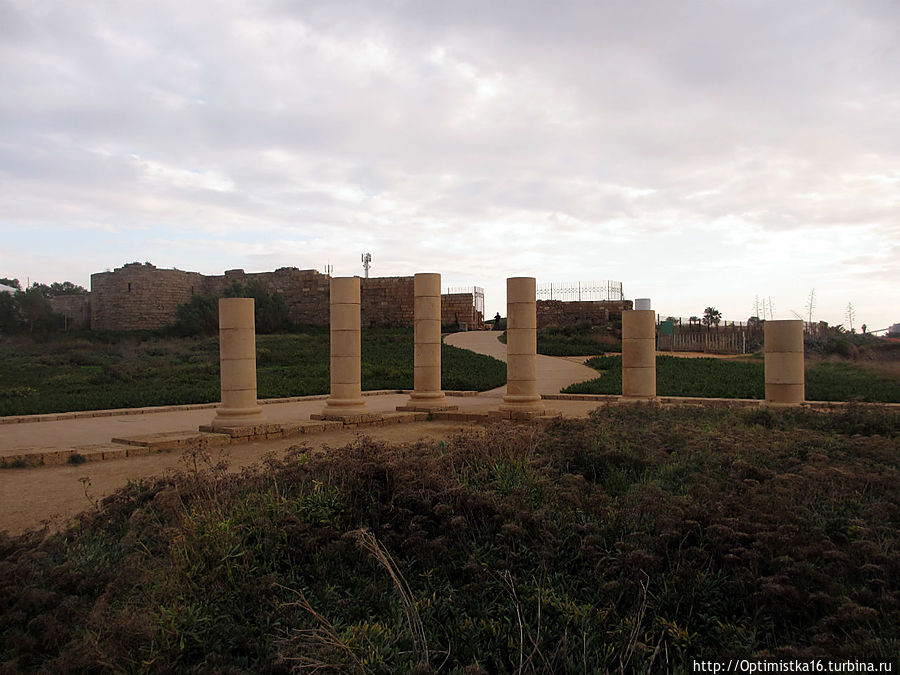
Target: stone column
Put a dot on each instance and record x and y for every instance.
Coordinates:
(639, 351)
(346, 393)
(785, 375)
(427, 364)
(522, 398)
(237, 365)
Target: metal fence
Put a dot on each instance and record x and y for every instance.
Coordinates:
(580, 290)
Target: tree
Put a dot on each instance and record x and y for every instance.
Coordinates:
(34, 309)
(711, 316)
(14, 283)
(9, 314)
(66, 288)
(198, 316)
(270, 310)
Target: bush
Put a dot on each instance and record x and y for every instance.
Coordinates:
(640, 540)
(271, 311)
(199, 316)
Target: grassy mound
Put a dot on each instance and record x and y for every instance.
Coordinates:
(721, 378)
(637, 540)
(129, 371)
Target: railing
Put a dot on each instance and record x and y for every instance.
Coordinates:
(580, 290)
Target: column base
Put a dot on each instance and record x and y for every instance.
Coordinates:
(227, 418)
(426, 402)
(527, 404)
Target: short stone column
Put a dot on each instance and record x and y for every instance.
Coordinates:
(522, 398)
(346, 398)
(427, 395)
(639, 351)
(785, 374)
(237, 365)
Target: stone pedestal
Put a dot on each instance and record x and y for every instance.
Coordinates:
(522, 398)
(785, 374)
(427, 395)
(345, 401)
(639, 354)
(237, 365)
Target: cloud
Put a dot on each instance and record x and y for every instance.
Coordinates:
(569, 137)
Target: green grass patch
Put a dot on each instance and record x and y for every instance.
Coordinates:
(726, 378)
(636, 541)
(93, 372)
(582, 339)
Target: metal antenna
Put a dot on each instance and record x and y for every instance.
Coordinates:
(366, 261)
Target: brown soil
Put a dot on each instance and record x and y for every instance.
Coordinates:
(51, 496)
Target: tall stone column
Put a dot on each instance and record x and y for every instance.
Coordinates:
(785, 374)
(346, 393)
(427, 394)
(522, 397)
(639, 351)
(237, 365)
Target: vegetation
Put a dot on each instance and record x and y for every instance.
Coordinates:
(711, 316)
(27, 311)
(114, 370)
(200, 315)
(727, 378)
(581, 339)
(635, 541)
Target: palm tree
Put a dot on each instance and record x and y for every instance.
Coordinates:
(711, 316)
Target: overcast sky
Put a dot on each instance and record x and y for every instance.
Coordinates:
(702, 153)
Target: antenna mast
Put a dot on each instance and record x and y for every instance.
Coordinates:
(366, 261)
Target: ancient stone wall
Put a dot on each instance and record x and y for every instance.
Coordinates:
(137, 296)
(460, 308)
(387, 301)
(75, 308)
(561, 313)
(305, 292)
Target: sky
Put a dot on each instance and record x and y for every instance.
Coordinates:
(702, 153)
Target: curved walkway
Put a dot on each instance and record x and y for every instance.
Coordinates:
(553, 372)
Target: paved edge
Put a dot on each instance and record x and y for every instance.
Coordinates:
(168, 441)
(149, 410)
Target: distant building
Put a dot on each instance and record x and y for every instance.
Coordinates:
(895, 329)
(7, 289)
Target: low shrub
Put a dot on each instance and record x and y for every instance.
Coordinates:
(639, 540)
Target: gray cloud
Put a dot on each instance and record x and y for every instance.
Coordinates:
(565, 127)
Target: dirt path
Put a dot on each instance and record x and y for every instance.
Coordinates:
(52, 495)
(553, 373)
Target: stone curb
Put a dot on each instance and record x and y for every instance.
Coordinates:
(206, 437)
(82, 414)
(745, 402)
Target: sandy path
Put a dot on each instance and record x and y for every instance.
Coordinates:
(30, 498)
(553, 372)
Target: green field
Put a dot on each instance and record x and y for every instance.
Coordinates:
(725, 378)
(93, 372)
(636, 541)
(582, 339)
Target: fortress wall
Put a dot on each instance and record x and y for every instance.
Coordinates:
(76, 309)
(562, 313)
(136, 296)
(387, 301)
(459, 307)
(305, 292)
